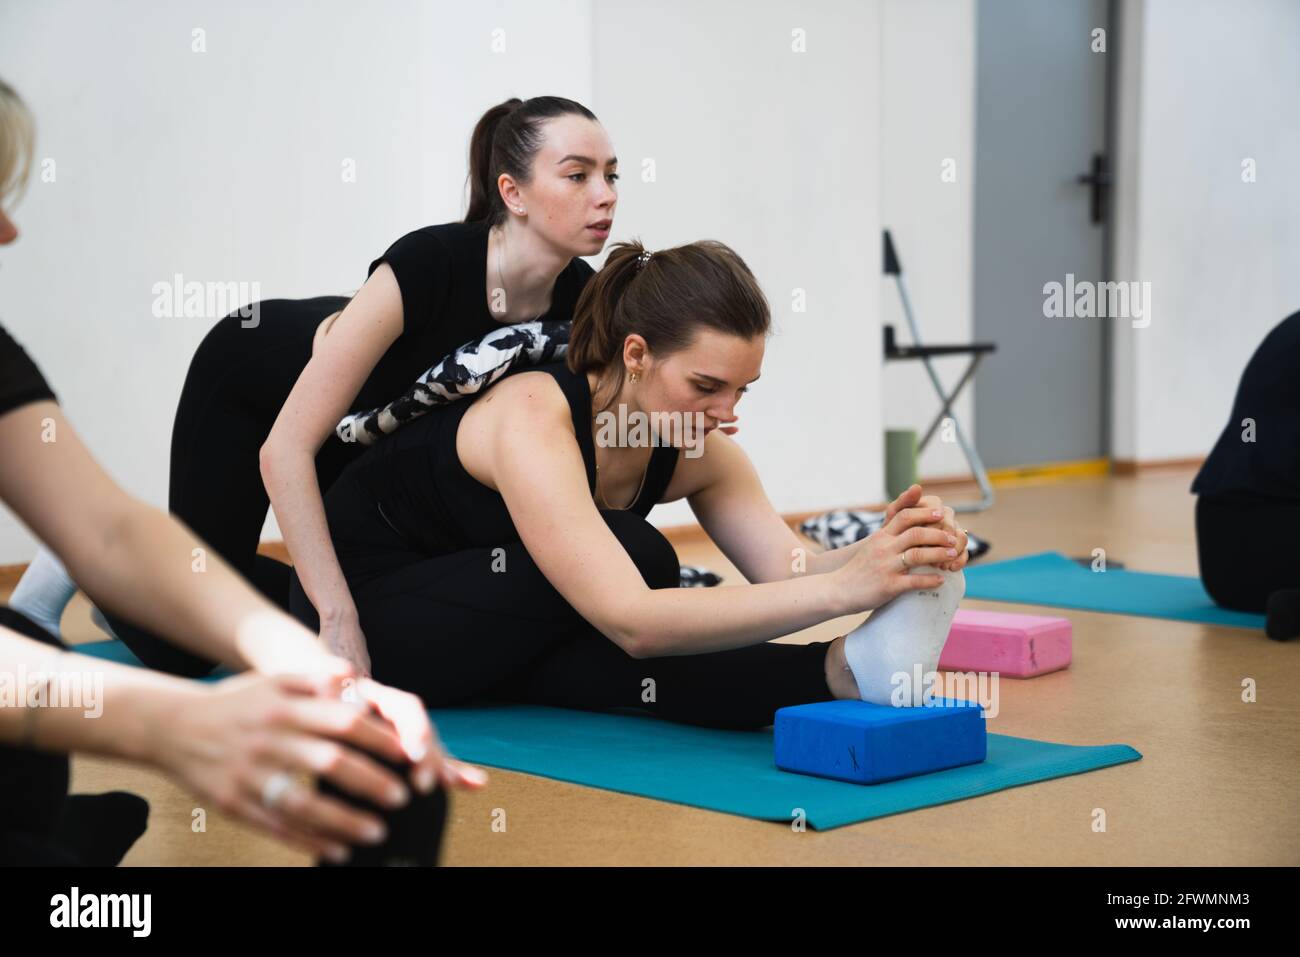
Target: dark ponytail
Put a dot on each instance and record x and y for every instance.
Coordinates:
(665, 299)
(505, 140)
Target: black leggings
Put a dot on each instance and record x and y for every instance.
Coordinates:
(484, 623)
(237, 382)
(33, 785)
(1230, 527)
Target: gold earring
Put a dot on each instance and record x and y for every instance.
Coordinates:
(635, 376)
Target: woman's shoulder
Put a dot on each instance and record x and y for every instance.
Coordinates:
(456, 239)
(550, 386)
(427, 262)
(455, 233)
(531, 402)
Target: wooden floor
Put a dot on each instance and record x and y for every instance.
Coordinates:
(1219, 782)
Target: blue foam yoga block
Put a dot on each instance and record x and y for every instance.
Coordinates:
(870, 743)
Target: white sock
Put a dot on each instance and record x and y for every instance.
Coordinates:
(906, 632)
(44, 591)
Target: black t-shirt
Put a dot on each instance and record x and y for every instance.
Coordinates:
(442, 273)
(1269, 394)
(21, 381)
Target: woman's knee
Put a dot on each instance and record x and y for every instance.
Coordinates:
(652, 553)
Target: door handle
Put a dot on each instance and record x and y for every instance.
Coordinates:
(1098, 178)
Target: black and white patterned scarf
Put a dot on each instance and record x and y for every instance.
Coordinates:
(471, 368)
(842, 527)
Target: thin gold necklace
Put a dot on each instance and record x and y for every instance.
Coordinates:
(639, 489)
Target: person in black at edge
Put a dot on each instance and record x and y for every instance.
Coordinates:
(239, 743)
(1251, 482)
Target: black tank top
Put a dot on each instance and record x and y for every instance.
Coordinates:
(413, 481)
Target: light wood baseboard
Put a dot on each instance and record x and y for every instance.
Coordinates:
(1139, 466)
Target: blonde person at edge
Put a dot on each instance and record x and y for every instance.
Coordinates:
(238, 743)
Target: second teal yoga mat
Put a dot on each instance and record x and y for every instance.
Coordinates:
(728, 771)
(1049, 578)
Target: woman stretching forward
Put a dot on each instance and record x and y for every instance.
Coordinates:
(487, 560)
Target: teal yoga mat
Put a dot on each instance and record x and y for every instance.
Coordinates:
(728, 771)
(1049, 578)
(733, 771)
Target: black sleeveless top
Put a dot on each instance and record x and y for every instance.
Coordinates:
(414, 483)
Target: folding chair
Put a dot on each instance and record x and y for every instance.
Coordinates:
(976, 350)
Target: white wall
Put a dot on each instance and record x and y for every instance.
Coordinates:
(928, 118)
(1207, 85)
(776, 153)
(226, 166)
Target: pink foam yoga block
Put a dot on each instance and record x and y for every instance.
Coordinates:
(1016, 646)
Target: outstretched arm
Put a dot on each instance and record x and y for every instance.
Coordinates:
(221, 740)
(532, 453)
(135, 560)
(139, 562)
(734, 510)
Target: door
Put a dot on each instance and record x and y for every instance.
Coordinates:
(1040, 124)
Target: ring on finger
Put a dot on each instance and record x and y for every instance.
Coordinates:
(276, 787)
(902, 559)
